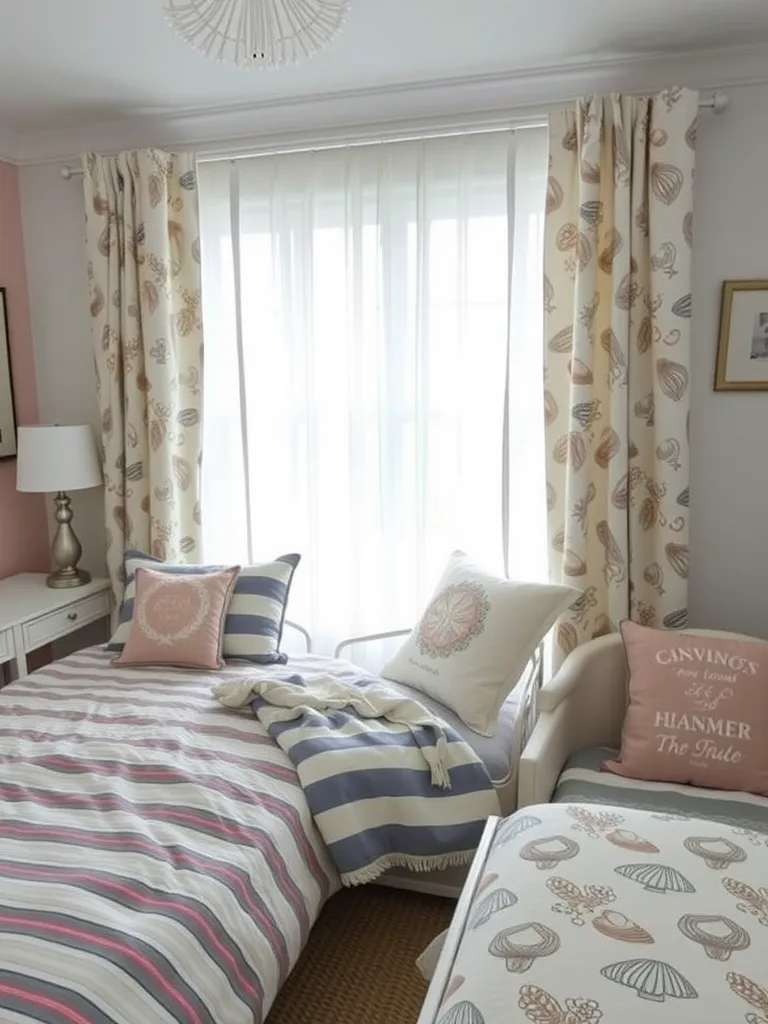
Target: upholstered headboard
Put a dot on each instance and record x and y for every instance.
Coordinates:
(582, 705)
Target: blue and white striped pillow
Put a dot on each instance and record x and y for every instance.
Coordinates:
(254, 623)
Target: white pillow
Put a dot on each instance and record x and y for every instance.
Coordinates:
(475, 638)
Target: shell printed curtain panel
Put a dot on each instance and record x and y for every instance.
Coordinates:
(617, 285)
(144, 277)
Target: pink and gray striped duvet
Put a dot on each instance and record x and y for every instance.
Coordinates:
(158, 860)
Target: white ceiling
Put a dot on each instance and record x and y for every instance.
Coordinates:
(71, 63)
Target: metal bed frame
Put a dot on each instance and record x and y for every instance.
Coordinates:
(300, 629)
(531, 681)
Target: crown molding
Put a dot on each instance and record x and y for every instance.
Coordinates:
(458, 102)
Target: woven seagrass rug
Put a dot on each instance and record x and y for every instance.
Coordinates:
(359, 964)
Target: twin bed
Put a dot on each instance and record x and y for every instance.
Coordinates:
(574, 914)
(159, 857)
(603, 898)
(158, 861)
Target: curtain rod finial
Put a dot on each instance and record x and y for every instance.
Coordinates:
(720, 102)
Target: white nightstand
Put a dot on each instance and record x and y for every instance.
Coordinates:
(33, 615)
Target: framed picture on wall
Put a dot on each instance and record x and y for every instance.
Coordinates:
(742, 349)
(7, 412)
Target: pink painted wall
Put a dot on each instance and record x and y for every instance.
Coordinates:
(23, 521)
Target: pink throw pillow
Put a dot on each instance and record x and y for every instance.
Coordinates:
(179, 619)
(698, 711)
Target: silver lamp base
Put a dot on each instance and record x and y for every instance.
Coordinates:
(61, 579)
(66, 549)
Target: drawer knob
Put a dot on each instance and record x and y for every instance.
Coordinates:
(72, 616)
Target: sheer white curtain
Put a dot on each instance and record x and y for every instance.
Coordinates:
(373, 368)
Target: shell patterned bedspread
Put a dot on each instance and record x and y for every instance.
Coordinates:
(158, 860)
(602, 915)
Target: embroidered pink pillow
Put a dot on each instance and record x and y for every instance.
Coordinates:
(698, 710)
(179, 619)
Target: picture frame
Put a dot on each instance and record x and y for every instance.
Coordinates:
(7, 407)
(742, 348)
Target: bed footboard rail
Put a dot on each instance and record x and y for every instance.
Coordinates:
(304, 633)
(367, 638)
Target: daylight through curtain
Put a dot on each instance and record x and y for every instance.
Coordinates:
(372, 380)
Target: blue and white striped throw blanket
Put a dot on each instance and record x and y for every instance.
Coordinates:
(387, 783)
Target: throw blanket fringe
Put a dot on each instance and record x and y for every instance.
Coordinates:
(439, 862)
(401, 789)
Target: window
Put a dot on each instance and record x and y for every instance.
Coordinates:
(373, 379)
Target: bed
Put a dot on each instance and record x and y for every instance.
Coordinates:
(159, 858)
(604, 898)
(581, 714)
(574, 914)
(500, 753)
(158, 861)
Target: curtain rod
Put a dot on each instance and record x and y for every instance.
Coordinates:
(718, 102)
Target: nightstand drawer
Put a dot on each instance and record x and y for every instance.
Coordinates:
(6, 646)
(55, 624)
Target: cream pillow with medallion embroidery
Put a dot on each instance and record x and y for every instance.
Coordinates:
(473, 641)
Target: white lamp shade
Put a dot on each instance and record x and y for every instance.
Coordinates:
(56, 459)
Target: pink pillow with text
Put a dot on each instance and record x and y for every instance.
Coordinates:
(698, 710)
(179, 619)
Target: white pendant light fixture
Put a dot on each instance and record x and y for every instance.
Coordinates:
(257, 33)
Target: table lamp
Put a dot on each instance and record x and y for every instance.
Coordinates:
(55, 460)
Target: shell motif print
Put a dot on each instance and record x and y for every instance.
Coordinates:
(142, 217)
(629, 840)
(751, 901)
(716, 853)
(617, 259)
(549, 852)
(718, 936)
(453, 619)
(651, 979)
(541, 1007)
(594, 823)
(620, 927)
(521, 945)
(656, 878)
(462, 1013)
(491, 904)
(752, 993)
(576, 901)
(512, 827)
